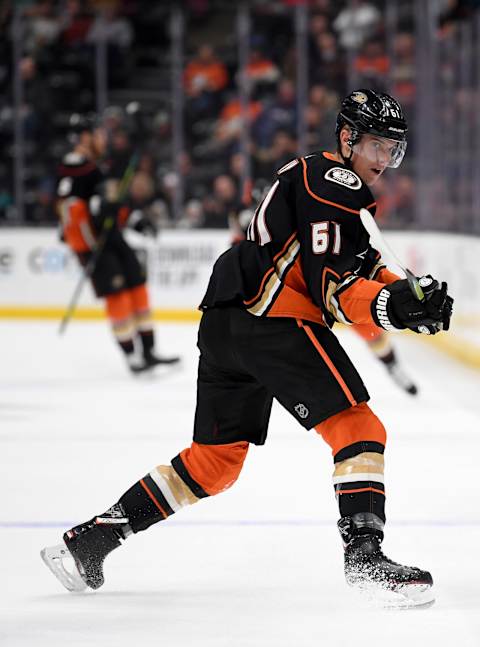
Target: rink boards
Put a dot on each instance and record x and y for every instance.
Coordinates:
(38, 275)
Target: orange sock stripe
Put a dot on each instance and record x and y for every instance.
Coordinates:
(363, 489)
(328, 362)
(147, 490)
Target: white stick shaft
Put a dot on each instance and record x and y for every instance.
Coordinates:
(381, 244)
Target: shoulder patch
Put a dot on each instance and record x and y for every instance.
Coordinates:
(344, 177)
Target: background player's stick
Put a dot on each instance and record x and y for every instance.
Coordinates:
(381, 244)
(102, 239)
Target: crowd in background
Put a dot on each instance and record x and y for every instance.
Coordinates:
(57, 68)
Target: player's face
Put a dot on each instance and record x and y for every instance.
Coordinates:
(372, 155)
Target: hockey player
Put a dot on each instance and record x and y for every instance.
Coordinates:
(377, 339)
(265, 332)
(89, 219)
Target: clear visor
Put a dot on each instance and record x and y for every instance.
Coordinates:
(380, 151)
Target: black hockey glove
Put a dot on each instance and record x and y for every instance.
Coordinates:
(395, 307)
(141, 223)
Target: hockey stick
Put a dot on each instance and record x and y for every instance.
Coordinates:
(102, 239)
(380, 243)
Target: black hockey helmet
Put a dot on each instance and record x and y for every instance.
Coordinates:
(374, 113)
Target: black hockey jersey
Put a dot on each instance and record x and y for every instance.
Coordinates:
(307, 254)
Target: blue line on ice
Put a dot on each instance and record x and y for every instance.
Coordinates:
(460, 523)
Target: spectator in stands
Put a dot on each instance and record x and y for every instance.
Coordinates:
(372, 65)
(145, 204)
(318, 24)
(269, 160)
(75, 24)
(395, 200)
(204, 79)
(280, 114)
(117, 32)
(230, 122)
(43, 26)
(320, 117)
(261, 72)
(328, 63)
(403, 71)
(356, 23)
(37, 106)
(222, 202)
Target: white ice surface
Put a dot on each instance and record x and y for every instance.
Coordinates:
(258, 566)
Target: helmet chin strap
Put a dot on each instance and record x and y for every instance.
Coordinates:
(347, 160)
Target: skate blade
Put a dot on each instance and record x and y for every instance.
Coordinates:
(54, 557)
(405, 596)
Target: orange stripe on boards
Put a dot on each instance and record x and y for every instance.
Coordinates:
(147, 490)
(371, 205)
(328, 362)
(316, 197)
(362, 489)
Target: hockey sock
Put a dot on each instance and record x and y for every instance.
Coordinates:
(120, 313)
(159, 494)
(143, 317)
(147, 338)
(358, 480)
(382, 348)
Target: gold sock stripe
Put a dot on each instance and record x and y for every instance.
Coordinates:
(367, 466)
(123, 330)
(178, 488)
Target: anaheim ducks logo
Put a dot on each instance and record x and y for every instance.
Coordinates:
(359, 97)
(344, 177)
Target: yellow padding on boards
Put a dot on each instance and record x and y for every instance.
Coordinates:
(454, 346)
(90, 314)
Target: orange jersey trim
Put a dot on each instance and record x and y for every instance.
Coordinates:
(147, 490)
(328, 362)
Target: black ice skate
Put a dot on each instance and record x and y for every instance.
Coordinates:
(150, 361)
(87, 545)
(368, 570)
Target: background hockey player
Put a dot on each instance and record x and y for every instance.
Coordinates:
(93, 214)
(265, 332)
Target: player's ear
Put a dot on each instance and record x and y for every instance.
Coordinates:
(345, 135)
